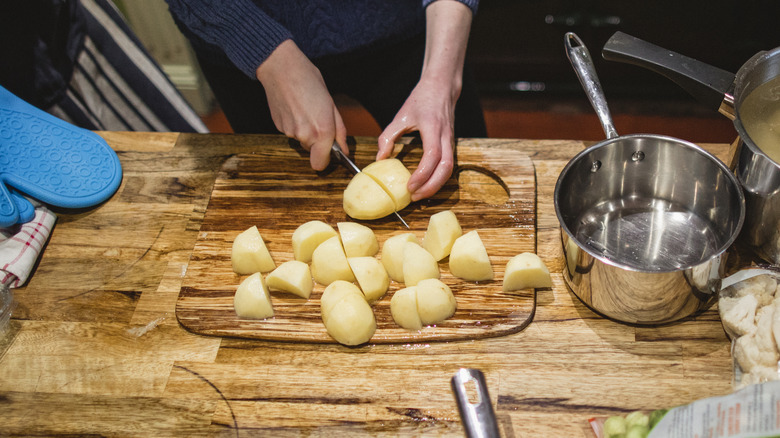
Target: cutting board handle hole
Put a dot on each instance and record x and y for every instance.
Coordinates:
(481, 184)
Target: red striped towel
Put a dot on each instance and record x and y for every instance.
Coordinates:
(21, 245)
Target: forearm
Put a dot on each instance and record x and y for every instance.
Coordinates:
(447, 34)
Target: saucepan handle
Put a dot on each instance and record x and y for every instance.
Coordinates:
(709, 85)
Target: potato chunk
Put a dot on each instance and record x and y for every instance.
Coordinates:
(526, 271)
(393, 176)
(403, 308)
(365, 199)
(347, 316)
(435, 301)
(371, 277)
(249, 253)
(358, 240)
(469, 259)
(329, 263)
(307, 237)
(443, 229)
(252, 299)
(291, 276)
(393, 254)
(418, 264)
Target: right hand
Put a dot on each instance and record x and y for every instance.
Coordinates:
(301, 106)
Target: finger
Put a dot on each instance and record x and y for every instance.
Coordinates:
(341, 132)
(435, 182)
(432, 155)
(319, 157)
(389, 136)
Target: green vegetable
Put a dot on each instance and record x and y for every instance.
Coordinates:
(656, 416)
(615, 427)
(637, 431)
(637, 418)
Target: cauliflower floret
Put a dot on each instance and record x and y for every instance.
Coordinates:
(763, 287)
(758, 348)
(738, 314)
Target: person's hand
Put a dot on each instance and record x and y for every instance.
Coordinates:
(430, 108)
(300, 104)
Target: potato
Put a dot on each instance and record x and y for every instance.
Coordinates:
(393, 176)
(526, 271)
(443, 229)
(358, 240)
(418, 264)
(435, 301)
(393, 254)
(347, 316)
(252, 299)
(308, 236)
(329, 263)
(291, 276)
(249, 253)
(469, 259)
(403, 308)
(365, 199)
(371, 276)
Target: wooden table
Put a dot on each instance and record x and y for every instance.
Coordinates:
(94, 346)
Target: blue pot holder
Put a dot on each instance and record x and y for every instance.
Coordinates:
(48, 159)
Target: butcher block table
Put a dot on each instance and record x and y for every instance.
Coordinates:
(95, 346)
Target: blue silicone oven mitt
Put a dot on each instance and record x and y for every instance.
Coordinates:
(48, 159)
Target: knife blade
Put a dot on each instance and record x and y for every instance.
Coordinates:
(349, 164)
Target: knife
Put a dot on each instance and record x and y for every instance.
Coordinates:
(346, 161)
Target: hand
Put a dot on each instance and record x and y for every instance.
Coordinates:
(430, 108)
(301, 106)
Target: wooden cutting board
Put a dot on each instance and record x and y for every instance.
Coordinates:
(491, 191)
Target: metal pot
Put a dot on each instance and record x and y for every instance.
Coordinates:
(646, 220)
(757, 172)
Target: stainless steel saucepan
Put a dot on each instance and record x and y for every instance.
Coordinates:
(646, 220)
(751, 98)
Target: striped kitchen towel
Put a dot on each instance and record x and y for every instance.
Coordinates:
(22, 244)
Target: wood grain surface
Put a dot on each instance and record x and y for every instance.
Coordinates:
(94, 347)
(492, 191)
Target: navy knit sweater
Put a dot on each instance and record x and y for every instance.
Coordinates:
(247, 31)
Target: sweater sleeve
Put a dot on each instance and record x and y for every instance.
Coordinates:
(472, 4)
(245, 33)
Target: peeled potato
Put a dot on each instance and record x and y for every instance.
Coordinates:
(249, 253)
(435, 301)
(393, 176)
(291, 276)
(358, 240)
(307, 237)
(393, 254)
(526, 271)
(347, 316)
(329, 263)
(252, 299)
(418, 264)
(469, 259)
(371, 276)
(403, 308)
(365, 199)
(443, 229)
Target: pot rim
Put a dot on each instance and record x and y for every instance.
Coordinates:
(683, 143)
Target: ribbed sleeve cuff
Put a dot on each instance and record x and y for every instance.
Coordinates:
(472, 4)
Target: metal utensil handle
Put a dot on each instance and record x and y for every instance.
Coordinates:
(478, 418)
(706, 83)
(586, 72)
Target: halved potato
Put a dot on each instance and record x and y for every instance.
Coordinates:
(249, 253)
(393, 176)
(403, 308)
(334, 293)
(526, 271)
(291, 276)
(252, 299)
(469, 259)
(435, 301)
(358, 240)
(307, 237)
(418, 264)
(393, 254)
(365, 199)
(329, 263)
(347, 316)
(443, 229)
(371, 276)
